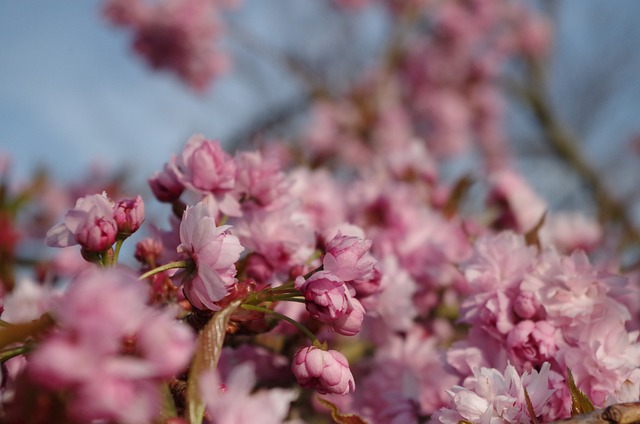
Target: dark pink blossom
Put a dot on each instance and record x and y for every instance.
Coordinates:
(330, 300)
(324, 371)
(165, 184)
(129, 214)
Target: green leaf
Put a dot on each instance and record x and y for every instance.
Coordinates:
(580, 402)
(339, 417)
(208, 349)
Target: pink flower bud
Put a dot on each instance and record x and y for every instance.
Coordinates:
(331, 301)
(526, 305)
(204, 167)
(97, 234)
(325, 371)
(148, 251)
(349, 323)
(327, 298)
(348, 257)
(165, 185)
(129, 214)
(90, 224)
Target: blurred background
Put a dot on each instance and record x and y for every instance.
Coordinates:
(73, 93)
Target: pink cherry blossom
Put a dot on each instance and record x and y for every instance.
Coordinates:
(214, 253)
(330, 300)
(207, 169)
(348, 258)
(284, 237)
(324, 371)
(174, 35)
(232, 401)
(110, 349)
(165, 184)
(90, 223)
(492, 396)
(259, 179)
(129, 214)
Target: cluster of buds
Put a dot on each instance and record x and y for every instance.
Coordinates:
(96, 223)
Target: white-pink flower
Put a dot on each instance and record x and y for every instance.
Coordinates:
(492, 397)
(214, 253)
(90, 224)
(232, 401)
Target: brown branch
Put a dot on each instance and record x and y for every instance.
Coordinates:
(622, 413)
(565, 146)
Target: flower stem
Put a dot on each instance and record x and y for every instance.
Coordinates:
(287, 298)
(116, 253)
(7, 354)
(170, 265)
(291, 321)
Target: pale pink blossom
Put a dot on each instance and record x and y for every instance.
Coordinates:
(532, 343)
(27, 301)
(519, 207)
(204, 167)
(110, 349)
(407, 380)
(348, 258)
(569, 231)
(284, 237)
(234, 402)
(324, 371)
(491, 396)
(259, 179)
(321, 196)
(214, 253)
(90, 223)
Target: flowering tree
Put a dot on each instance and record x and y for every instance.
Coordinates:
(335, 272)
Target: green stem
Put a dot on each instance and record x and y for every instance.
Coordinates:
(291, 321)
(170, 265)
(114, 260)
(287, 298)
(5, 355)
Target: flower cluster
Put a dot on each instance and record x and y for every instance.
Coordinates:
(346, 257)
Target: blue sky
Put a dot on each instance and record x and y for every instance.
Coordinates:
(71, 90)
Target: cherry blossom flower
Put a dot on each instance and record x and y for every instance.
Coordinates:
(232, 401)
(129, 214)
(347, 256)
(214, 253)
(207, 169)
(491, 396)
(324, 371)
(90, 223)
(110, 350)
(165, 184)
(330, 300)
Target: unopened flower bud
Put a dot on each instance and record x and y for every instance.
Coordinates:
(148, 251)
(325, 371)
(129, 214)
(97, 234)
(165, 185)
